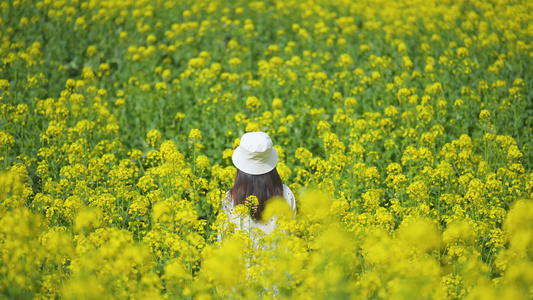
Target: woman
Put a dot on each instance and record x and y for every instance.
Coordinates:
(255, 160)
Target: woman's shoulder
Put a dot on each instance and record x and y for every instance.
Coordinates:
(227, 203)
(289, 196)
(286, 189)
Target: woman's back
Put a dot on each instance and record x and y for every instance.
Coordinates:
(248, 223)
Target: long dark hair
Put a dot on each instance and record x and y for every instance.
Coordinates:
(264, 187)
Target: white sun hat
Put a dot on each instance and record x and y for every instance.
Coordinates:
(256, 154)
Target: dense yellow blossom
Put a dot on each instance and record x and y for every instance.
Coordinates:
(406, 140)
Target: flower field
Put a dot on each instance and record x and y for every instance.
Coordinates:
(404, 129)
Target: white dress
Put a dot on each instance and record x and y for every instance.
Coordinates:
(249, 224)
